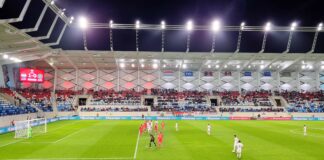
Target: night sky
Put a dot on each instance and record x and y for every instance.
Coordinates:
(202, 12)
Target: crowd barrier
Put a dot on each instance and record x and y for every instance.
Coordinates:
(11, 128)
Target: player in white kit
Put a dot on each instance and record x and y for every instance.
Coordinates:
(239, 147)
(176, 126)
(235, 143)
(149, 127)
(208, 129)
(305, 130)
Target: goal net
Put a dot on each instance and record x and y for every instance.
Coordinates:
(28, 128)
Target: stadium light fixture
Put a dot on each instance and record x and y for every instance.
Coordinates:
(320, 27)
(267, 27)
(111, 24)
(189, 26)
(164, 65)
(303, 66)
(310, 67)
(209, 66)
(242, 25)
(83, 23)
(133, 65)
(5, 56)
(270, 66)
(238, 66)
(184, 66)
(71, 19)
(322, 67)
(215, 26)
(249, 66)
(217, 66)
(137, 24)
(142, 65)
(155, 66)
(293, 26)
(122, 65)
(52, 2)
(262, 66)
(225, 66)
(163, 25)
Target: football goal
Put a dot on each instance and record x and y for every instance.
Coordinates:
(28, 128)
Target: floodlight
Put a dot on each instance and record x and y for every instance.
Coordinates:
(293, 26)
(111, 23)
(209, 66)
(267, 27)
(216, 26)
(11, 58)
(71, 19)
(83, 23)
(5, 56)
(238, 66)
(184, 66)
(155, 66)
(303, 66)
(262, 66)
(249, 66)
(242, 25)
(142, 65)
(225, 66)
(52, 2)
(189, 25)
(310, 67)
(320, 27)
(122, 65)
(162, 25)
(322, 67)
(133, 65)
(217, 66)
(137, 24)
(164, 65)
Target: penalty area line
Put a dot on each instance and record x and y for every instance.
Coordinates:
(136, 148)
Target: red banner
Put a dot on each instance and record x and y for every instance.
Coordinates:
(240, 118)
(31, 75)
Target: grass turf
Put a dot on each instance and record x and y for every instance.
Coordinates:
(91, 139)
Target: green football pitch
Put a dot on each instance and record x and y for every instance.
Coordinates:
(110, 139)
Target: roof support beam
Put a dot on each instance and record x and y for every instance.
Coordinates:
(314, 43)
(238, 45)
(264, 41)
(1, 3)
(59, 38)
(38, 21)
(294, 62)
(70, 61)
(289, 42)
(49, 31)
(21, 15)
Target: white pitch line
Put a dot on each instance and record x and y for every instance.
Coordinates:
(117, 158)
(69, 135)
(57, 128)
(135, 153)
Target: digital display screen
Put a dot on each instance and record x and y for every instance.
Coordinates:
(31, 75)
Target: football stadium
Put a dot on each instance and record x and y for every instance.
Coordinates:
(161, 80)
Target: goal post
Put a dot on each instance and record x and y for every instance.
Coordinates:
(28, 128)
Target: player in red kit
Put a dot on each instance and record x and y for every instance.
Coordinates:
(160, 139)
(162, 125)
(141, 129)
(156, 128)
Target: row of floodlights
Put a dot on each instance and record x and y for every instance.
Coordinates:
(14, 59)
(62, 12)
(215, 25)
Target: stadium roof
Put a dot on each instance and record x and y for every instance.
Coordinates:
(131, 45)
